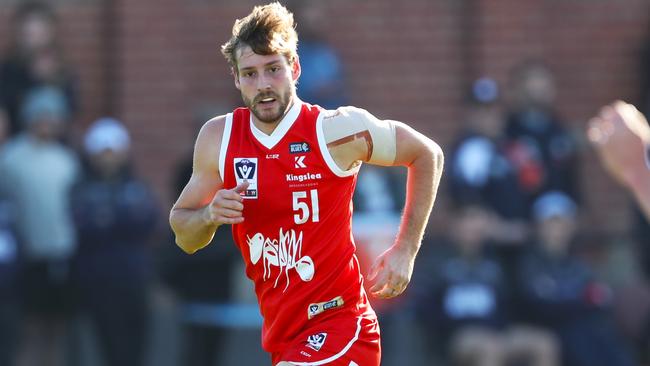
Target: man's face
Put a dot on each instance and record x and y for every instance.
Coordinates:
(267, 83)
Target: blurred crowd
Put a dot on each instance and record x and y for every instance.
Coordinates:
(515, 280)
(75, 218)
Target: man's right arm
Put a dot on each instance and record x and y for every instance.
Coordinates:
(203, 205)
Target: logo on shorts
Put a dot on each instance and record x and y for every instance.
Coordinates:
(316, 341)
(246, 170)
(319, 307)
(298, 147)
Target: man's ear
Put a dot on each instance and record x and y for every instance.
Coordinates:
(235, 75)
(296, 69)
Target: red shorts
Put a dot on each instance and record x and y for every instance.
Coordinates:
(335, 342)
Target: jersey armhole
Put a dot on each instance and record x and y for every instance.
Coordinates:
(225, 140)
(329, 160)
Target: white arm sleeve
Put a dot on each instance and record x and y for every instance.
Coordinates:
(349, 121)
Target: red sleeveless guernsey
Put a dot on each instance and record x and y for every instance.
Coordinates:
(296, 236)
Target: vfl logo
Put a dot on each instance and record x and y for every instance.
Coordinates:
(316, 341)
(298, 147)
(246, 170)
(285, 253)
(313, 308)
(299, 161)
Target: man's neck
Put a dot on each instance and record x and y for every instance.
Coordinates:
(269, 127)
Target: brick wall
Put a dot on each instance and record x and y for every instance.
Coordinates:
(156, 65)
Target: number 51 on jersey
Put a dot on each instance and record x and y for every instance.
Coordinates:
(301, 206)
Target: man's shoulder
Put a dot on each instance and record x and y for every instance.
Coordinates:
(214, 126)
(345, 121)
(208, 142)
(343, 112)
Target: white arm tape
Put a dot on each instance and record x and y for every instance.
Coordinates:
(348, 121)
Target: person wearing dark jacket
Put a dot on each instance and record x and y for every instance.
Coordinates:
(468, 304)
(561, 292)
(114, 213)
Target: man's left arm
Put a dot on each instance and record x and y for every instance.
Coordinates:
(353, 135)
(424, 159)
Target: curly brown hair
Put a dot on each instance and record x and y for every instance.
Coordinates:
(268, 29)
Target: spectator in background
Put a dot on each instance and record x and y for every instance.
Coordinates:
(469, 304)
(115, 214)
(322, 81)
(37, 175)
(481, 173)
(480, 170)
(9, 261)
(561, 292)
(34, 59)
(542, 151)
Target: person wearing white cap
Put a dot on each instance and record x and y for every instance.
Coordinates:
(114, 213)
(107, 145)
(106, 134)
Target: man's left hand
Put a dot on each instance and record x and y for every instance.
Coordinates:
(392, 271)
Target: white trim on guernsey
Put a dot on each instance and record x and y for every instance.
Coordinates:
(225, 140)
(322, 144)
(282, 128)
(336, 356)
(352, 363)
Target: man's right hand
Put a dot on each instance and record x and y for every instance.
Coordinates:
(227, 206)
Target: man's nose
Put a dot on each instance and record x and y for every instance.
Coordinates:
(263, 83)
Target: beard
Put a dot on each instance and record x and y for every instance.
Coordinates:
(268, 116)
